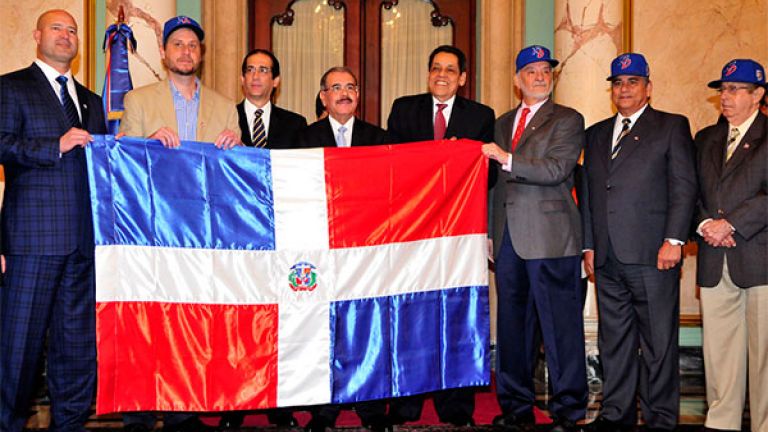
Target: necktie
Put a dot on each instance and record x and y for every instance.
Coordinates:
(440, 125)
(733, 143)
(520, 128)
(259, 135)
(624, 132)
(67, 103)
(340, 140)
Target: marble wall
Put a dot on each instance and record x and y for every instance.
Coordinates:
(19, 20)
(687, 42)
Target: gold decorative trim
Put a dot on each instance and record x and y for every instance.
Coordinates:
(89, 44)
(626, 34)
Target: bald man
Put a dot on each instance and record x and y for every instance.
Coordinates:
(46, 120)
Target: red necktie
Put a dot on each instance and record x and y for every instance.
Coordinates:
(440, 122)
(520, 128)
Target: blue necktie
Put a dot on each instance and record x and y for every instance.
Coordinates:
(67, 103)
(340, 140)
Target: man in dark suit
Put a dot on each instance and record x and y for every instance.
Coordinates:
(732, 221)
(339, 94)
(262, 123)
(641, 193)
(46, 119)
(440, 114)
(537, 245)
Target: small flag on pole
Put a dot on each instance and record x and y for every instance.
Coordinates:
(117, 80)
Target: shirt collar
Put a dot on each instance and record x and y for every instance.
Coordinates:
(335, 125)
(51, 74)
(632, 118)
(178, 94)
(744, 127)
(250, 108)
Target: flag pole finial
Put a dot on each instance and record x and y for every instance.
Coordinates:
(121, 15)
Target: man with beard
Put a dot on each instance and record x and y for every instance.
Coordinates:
(180, 107)
(537, 244)
(46, 120)
(264, 124)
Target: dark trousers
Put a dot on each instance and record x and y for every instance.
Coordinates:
(639, 308)
(369, 411)
(450, 405)
(54, 294)
(539, 295)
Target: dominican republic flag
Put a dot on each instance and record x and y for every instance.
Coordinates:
(247, 278)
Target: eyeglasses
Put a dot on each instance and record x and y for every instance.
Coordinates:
(732, 89)
(337, 88)
(260, 69)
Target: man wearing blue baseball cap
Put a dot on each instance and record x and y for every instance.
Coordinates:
(537, 248)
(181, 107)
(640, 178)
(175, 109)
(732, 222)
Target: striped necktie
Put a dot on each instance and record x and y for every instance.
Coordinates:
(67, 103)
(624, 132)
(733, 143)
(259, 135)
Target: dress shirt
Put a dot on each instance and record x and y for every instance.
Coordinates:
(618, 125)
(250, 110)
(51, 74)
(533, 110)
(335, 125)
(446, 111)
(186, 112)
(743, 128)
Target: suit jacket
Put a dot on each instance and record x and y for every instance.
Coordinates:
(646, 194)
(46, 207)
(534, 200)
(411, 120)
(320, 134)
(284, 127)
(737, 191)
(149, 108)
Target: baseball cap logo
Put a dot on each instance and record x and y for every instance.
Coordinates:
(730, 69)
(538, 52)
(184, 20)
(625, 61)
(759, 74)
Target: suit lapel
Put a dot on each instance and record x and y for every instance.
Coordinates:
(44, 87)
(242, 120)
(457, 116)
(716, 150)
(604, 143)
(357, 133)
(167, 109)
(425, 121)
(636, 136)
(539, 119)
(204, 110)
(754, 137)
(328, 140)
(82, 99)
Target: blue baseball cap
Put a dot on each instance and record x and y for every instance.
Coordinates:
(532, 54)
(629, 64)
(741, 70)
(182, 21)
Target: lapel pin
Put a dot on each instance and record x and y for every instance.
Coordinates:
(85, 106)
(637, 138)
(746, 146)
(533, 127)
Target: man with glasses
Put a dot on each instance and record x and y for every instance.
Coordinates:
(641, 192)
(440, 114)
(339, 93)
(340, 128)
(732, 222)
(262, 123)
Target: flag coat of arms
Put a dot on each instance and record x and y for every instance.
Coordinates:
(249, 279)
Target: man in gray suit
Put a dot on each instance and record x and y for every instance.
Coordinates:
(732, 220)
(537, 239)
(641, 192)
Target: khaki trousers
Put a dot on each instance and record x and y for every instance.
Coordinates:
(735, 345)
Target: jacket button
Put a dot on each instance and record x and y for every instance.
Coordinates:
(720, 212)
